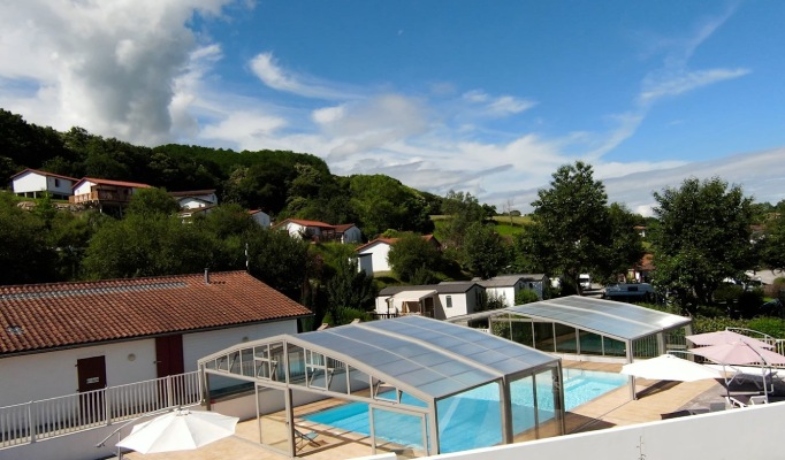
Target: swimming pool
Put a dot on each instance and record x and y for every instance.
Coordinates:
(471, 419)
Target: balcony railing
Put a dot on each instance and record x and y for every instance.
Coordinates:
(114, 196)
(46, 418)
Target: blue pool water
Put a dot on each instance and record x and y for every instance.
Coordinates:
(471, 419)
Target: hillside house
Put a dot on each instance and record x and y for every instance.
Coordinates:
(195, 198)
(61, 337)
(439, 301)
(104, 192)
(32, 183)
(372, 256)
(320, 231)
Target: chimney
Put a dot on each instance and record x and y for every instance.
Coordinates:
(206, 276)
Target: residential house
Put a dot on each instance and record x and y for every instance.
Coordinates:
(104, 192)
(61, 337)
(507, 287)
(372, 256)
(260, 217)
(640, 230)
(32, 183)
(195, 198)
(642, 271)
(187, 214)
(440, 301)
(320, 231)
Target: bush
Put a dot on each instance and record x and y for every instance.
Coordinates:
(774, 327)
(346, 315)
(526, 296)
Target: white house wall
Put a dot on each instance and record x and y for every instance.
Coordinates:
(505, 293)
(83, 188)
(352, 235)
(29, 182)
(47, 375)
(64, 187)
(379, 253)
(191, 203)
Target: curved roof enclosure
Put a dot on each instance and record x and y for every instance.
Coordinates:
(429, 360)
(619, 320)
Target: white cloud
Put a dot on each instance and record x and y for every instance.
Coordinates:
(328, 115)
(105, 66)
(658, 86)
(270, 72)
(500, 106)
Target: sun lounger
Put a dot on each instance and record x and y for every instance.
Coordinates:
(733, 402)
(304, 439)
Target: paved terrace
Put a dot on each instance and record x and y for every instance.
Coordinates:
(613, 409)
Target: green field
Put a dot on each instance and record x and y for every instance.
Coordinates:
(503, 224)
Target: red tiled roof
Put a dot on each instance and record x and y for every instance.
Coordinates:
(44, 173)
(110, 182)
(305, 223)
(342, 227)
(37, 317)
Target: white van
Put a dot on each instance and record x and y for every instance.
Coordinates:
(584, 280)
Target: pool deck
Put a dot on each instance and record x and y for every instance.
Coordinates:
(613, 409)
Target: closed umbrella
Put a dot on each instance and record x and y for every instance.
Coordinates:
(670, 367)
(720, 337)
(179, 430)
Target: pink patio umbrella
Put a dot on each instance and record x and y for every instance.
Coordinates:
(741, 352)
(720, 337)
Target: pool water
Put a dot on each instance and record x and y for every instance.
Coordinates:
(471, 419)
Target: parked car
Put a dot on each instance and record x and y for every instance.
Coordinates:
(584, 280)
(629, 291)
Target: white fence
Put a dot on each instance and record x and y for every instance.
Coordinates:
(35, 420)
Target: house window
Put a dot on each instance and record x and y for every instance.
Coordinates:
(449, 301)
(57, 182)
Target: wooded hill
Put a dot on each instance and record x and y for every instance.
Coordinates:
(281, 183)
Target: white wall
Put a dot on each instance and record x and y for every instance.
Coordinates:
(750, 433)
(379, 253)
(459, 306)
(64, 187)
(83, 188)
(191, 203)
(47, 375)
(201, 344)
(30, 182)
(505, 293)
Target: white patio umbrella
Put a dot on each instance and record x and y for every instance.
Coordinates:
(720, 337)
(181, 429)
(670, 367)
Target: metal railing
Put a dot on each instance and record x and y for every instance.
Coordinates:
(47, 418)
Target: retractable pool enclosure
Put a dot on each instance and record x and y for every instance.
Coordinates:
(440, 376)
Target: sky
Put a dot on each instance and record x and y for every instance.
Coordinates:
(486, 97)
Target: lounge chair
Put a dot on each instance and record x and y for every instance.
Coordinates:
(304, 439)
(756, 378)
(733, 402)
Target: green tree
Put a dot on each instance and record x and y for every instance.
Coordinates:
(383, 203)
(281, 261)
(153, 200)
(464, 210)
(773, 244)
(412, 252)
(484, 252)
(703, 237)
(25, 253)
(626, 245)
(570, 231)
(350, 288)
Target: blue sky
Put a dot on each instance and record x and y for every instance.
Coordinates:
(484, 97)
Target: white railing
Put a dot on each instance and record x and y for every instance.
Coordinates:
(46, 418)
(778, 344)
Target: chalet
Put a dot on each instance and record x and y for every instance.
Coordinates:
(55, 338)
(260, 217)
(104, 192)
(32, 183)
(507, 287)
(195, 198)
(320, 231)
(440, 301)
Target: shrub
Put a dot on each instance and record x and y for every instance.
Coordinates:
(526, 296)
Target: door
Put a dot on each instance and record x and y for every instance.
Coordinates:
(91, 373)
(169, 361)
(169, 355)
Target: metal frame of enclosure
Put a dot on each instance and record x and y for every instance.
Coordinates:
(410, 365)
(585, 326)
